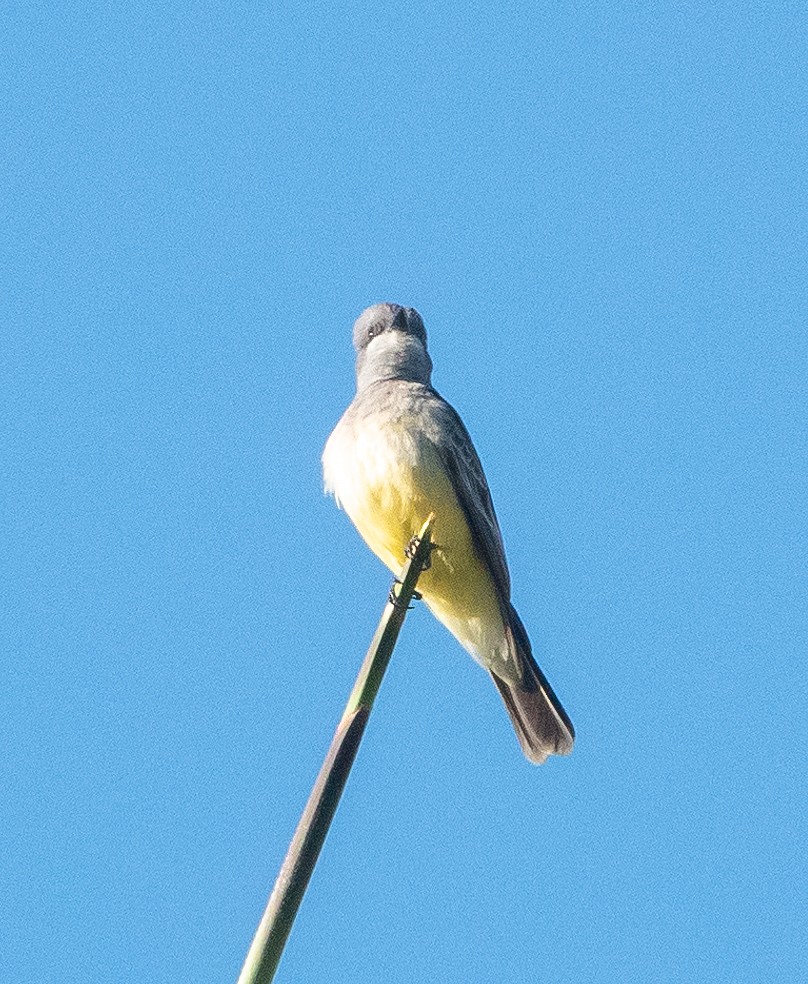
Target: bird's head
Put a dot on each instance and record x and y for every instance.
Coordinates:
(390, 343)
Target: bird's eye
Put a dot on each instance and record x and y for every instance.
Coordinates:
(372, 332)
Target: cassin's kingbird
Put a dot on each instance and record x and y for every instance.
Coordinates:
(400, 452)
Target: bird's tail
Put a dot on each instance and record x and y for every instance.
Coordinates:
(541, 723)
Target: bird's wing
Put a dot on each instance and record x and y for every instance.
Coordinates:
(468, 479)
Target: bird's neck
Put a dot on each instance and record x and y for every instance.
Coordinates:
(393, 355)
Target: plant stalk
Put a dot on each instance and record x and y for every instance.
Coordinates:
(270, 938)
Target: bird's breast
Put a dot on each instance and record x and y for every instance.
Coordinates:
(379, 473)
(388, 476)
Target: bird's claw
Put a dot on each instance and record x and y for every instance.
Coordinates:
(395, 601)
(413, 545)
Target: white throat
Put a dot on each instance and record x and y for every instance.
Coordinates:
(393, 355)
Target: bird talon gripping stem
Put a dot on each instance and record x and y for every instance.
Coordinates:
(412, 546)
(394, 599)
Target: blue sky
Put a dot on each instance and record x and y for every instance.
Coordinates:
(599, 209)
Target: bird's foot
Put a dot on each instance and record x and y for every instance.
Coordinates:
(395, 601)
(413, 545)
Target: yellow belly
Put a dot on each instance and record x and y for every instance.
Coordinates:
(388, 482)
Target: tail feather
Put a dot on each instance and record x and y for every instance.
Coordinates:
(541, 723)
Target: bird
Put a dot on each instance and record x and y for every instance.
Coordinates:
(401, 452)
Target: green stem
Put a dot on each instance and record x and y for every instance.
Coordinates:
(273, 930)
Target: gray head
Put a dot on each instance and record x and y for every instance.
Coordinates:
(390, 343)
